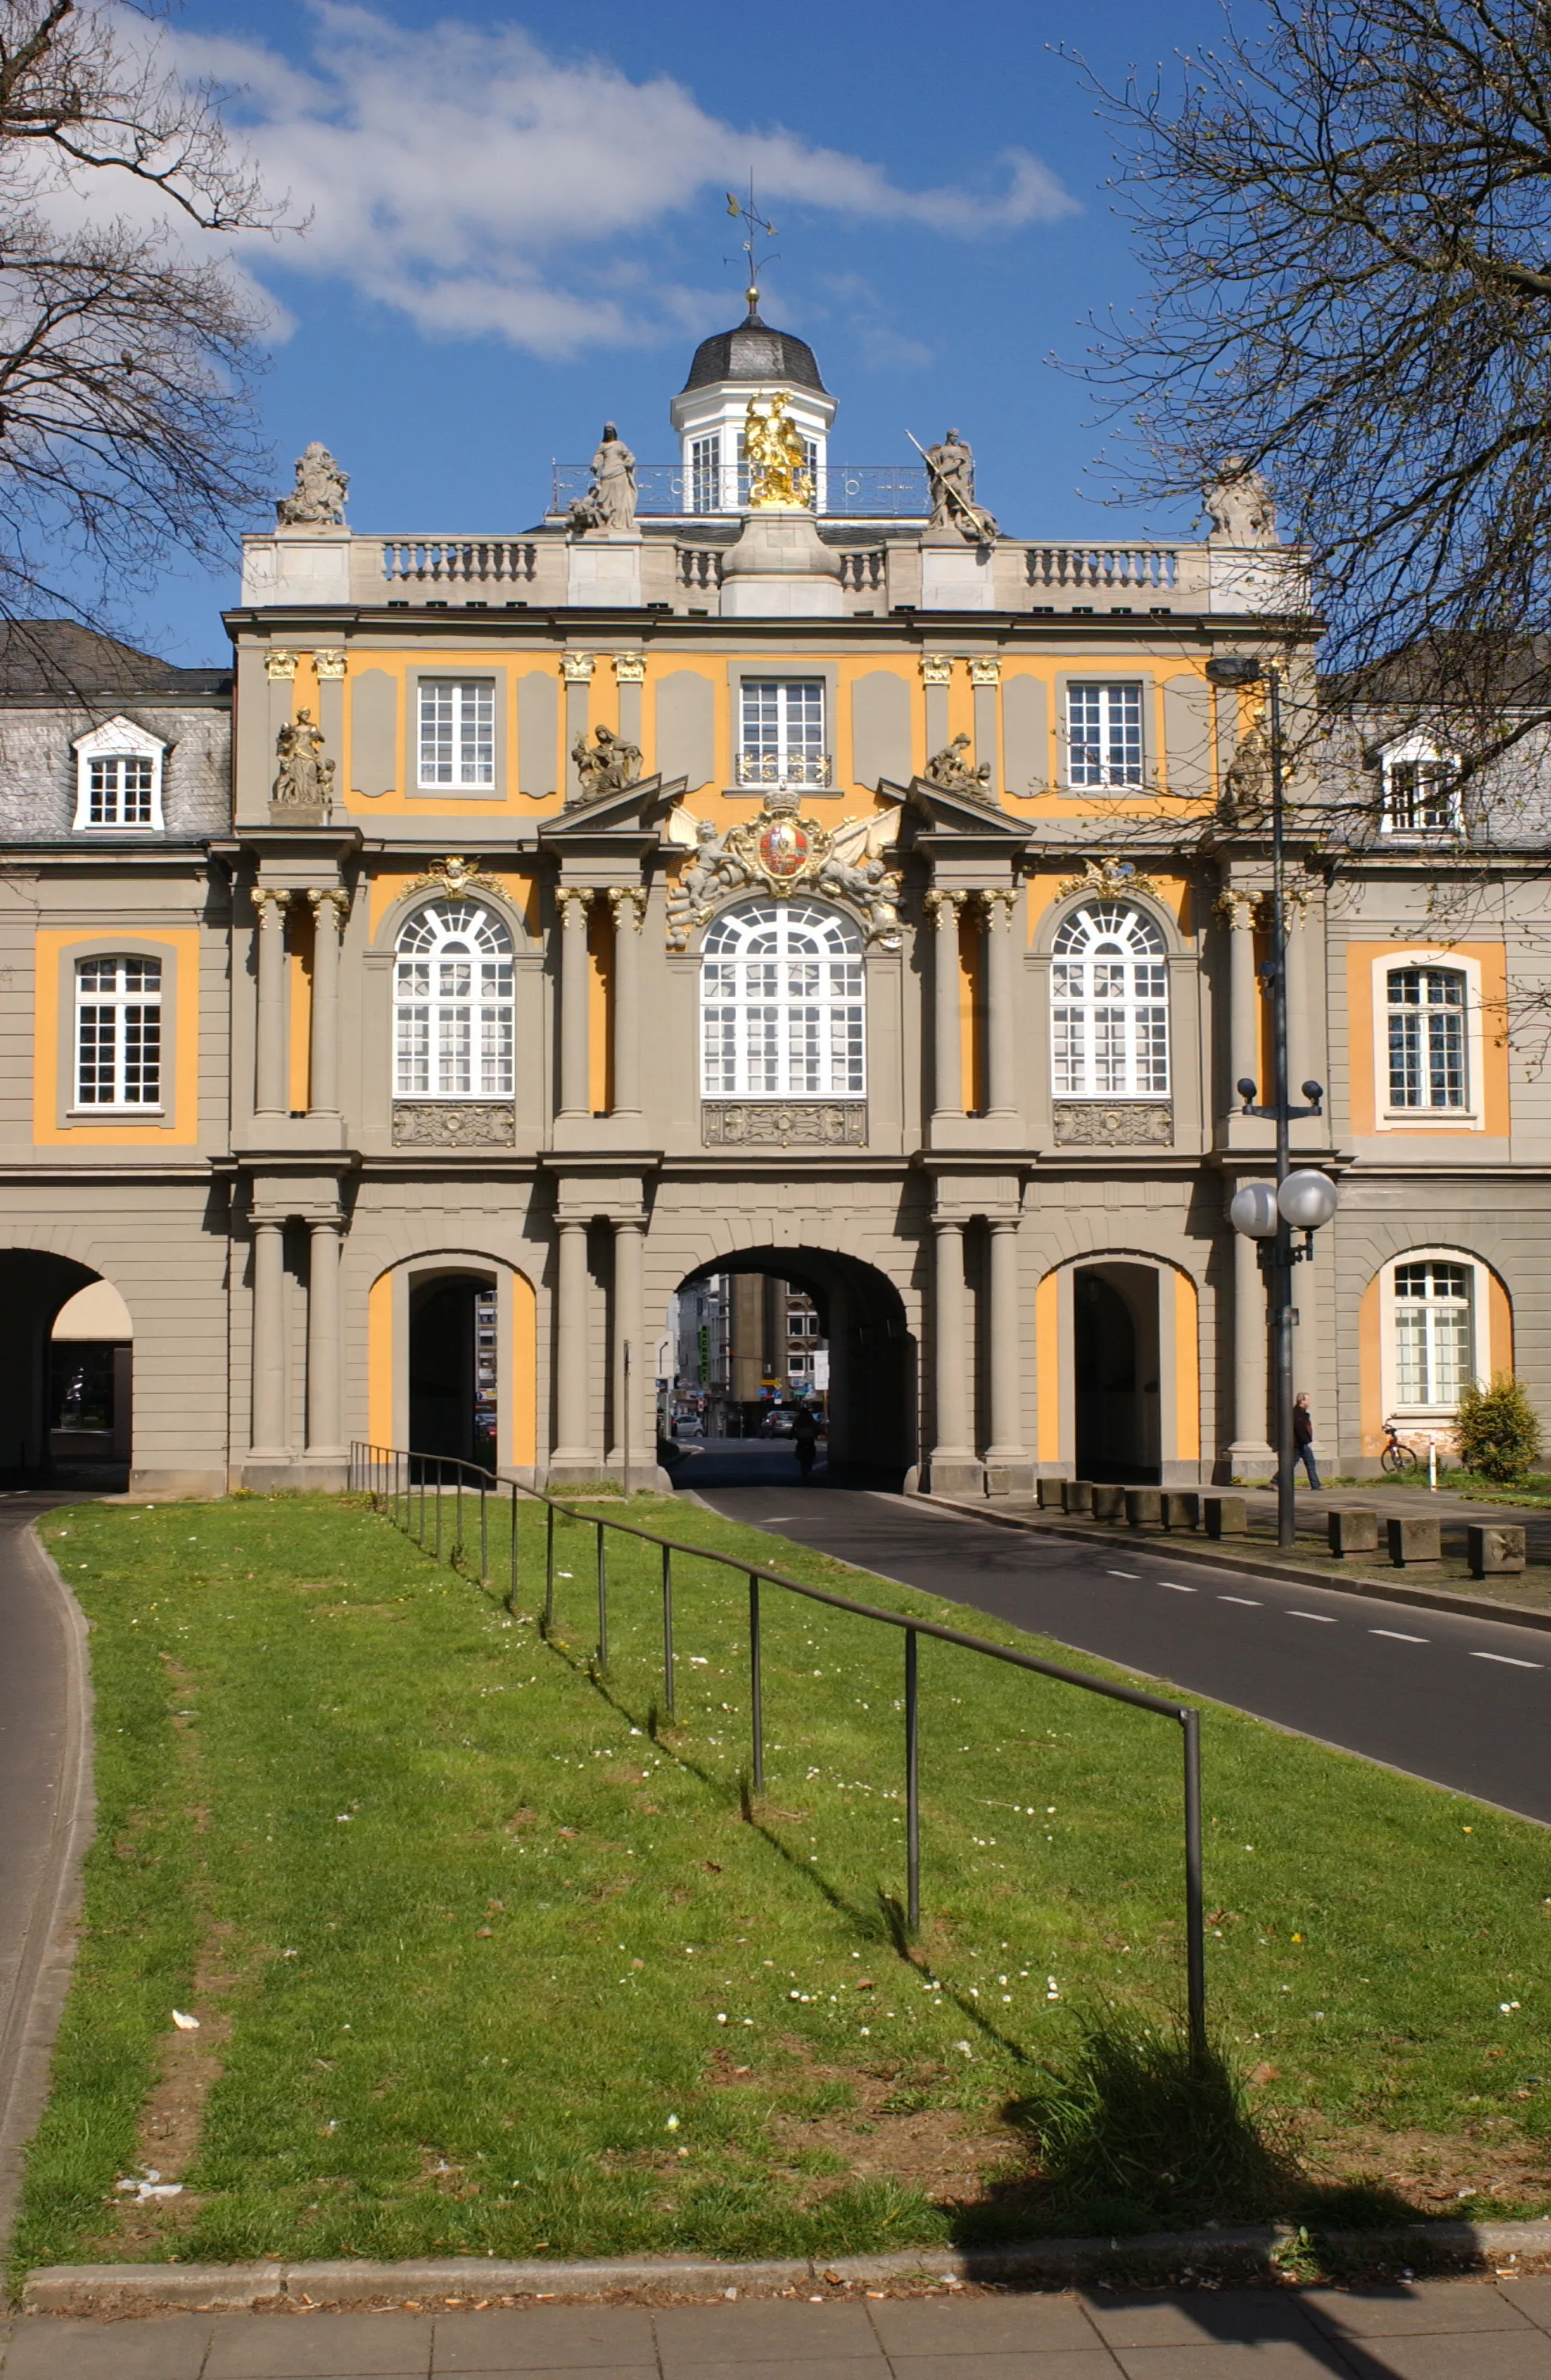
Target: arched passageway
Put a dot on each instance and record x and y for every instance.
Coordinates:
(454, 1368)
(838, 1342)
(1115, 1364)
(66, 1383)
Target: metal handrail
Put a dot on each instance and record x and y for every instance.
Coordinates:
(368, 1462)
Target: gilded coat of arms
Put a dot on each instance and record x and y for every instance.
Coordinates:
(780, 851)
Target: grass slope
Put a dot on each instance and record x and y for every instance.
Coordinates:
(481, 1965)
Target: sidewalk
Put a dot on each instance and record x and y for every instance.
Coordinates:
(1428, 2330)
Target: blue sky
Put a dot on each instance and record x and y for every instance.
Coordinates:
(518, 226)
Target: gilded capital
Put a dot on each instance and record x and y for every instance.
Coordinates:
(579, 895)
(985, 668)
(1002, 899)
(576, 668)
(630, 898)
(271, 903)
(280, 664)
(945, 907)
(936, 669)
(330, 661)
(331, 897)
(630, 669)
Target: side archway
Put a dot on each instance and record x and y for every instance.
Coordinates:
(65, 1393)
(452, 1360)
(1432, 1319)
(1117, 1336)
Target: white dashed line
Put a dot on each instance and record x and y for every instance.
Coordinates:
(1399, 1636)
(1240, 1598)
(1325, 1619)
(1125, 1574)
(1508, 1660)
(1175, 1588)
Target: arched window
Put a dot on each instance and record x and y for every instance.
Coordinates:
(1109, 1005)
(1426, 1038)
(782, 1008)
(452, 1004)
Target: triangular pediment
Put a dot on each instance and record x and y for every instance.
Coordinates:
(628, 810)
(942, 810)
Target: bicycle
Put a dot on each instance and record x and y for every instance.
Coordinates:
(1397, 1457)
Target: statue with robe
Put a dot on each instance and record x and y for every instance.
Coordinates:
(610, 503)
(304, 780)
(955, 773)
(1239, 505)
(608, 765)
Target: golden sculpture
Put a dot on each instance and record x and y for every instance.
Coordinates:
(776, 454)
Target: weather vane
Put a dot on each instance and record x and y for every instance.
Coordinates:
(754, 224)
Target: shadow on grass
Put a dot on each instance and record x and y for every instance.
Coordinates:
(1128, 2136)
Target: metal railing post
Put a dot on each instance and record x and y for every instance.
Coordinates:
(441, 1482)
(484, 1538)
(457, 1513)
(549, 1568)
(602, 1597)
(912, 1782)
(668, 1628)
(422, 1503)
(756, 1686)
(512, 1588)
(1195, 1934)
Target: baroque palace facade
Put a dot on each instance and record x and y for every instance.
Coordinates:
(763, 864)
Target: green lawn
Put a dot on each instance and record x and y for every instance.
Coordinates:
(481, 1963)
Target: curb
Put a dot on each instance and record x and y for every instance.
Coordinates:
(29, 2024)
(1205, 1550)
(1254, 2249)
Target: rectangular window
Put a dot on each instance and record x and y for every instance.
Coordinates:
(118, 1032)
(782, 733)
(1420, 797)
(1433, 1338)
(119, 790)
(704, 474)
(1426, 1038)
(1103, 735)
(457, 733)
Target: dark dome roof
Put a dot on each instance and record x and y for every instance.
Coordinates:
(754, 352)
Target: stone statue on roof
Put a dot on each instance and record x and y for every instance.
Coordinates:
(610, 503)
(1239, 505)
(951, 477)
(317, 499)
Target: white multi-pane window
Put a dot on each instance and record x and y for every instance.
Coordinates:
(118, 1032)
(783, 1007)
(1109, 1005)
(704, 474)
(1434, 1332)
(781, 732)
(1421, 791)
(453, 1005)
(1426, 1038)
(120, 788)
(457, 733)
(1104, 733)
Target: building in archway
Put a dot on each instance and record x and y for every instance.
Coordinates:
(793, 874)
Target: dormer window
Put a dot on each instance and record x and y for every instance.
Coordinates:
(1420, 792)
(118, 779)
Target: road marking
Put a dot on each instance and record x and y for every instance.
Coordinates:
(1125, 1574)
(1176, 1588)
(1400, 1636)
(1240, 1598)
(1508, 1660)
(1325, 1619)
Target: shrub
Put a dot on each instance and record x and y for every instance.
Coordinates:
(1497, 1430)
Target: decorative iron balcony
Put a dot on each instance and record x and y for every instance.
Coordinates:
(846, 490)
(783, 769)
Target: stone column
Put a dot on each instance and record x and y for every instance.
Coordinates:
(576, 1093)
(270, 1418)
(1250, 1452)
(570, 1347)
(947, 1048)
(329, 664)
(843, 1434)
(576, 670)
(1008, 1464)
(280, 670)
(953, 1469)
(985, 676)
(330, 910)
(630, 671)
(1001, 993)
(271, 1094)
(323, 1440)
(629, 1251)
(1243, 1002)
(630, 910)
(1304, 1057)
(936, 676)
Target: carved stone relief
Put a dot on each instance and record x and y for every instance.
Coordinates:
(735, 1123)
(1092, 1123)
(454, 1124)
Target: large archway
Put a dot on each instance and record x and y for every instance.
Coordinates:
(854, 1360)
(65, 1382)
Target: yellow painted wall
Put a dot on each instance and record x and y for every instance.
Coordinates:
(599, 1009)
(1187, 1369)
(1491, 959)
(180, 1129)
(1173, 889)
(390, 882)
(1499, 1328)
(301, 934)
(520, 1385)
(972, 1011)
(1047, 1349)
(380, 1360)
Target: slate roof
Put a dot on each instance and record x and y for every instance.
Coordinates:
(755, 352)
(61, 658)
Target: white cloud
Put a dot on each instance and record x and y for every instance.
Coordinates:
(463, 176)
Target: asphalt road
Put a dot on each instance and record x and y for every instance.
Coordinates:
(1463, 1703)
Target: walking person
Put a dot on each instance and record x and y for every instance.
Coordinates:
(1302, 1438)
(805, 1439)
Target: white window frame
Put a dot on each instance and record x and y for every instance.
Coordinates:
(470, 1032)
(1469, 1118)
(120, 1002)
(1104, 922)
(1106, 780)
(1416, 751)
(118, 739)
(704, 473)
(787, 1021)
(1479, 1365)
(432, 690)
(775, 759)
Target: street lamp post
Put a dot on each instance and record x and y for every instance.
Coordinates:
(1305, 1199)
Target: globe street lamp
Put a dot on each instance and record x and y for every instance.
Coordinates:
(1302, 1201)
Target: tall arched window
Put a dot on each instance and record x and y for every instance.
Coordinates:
(782, 1008)
(452, 1004)
(1109, 1005)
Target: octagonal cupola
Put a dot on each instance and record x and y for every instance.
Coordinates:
(709, 412)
